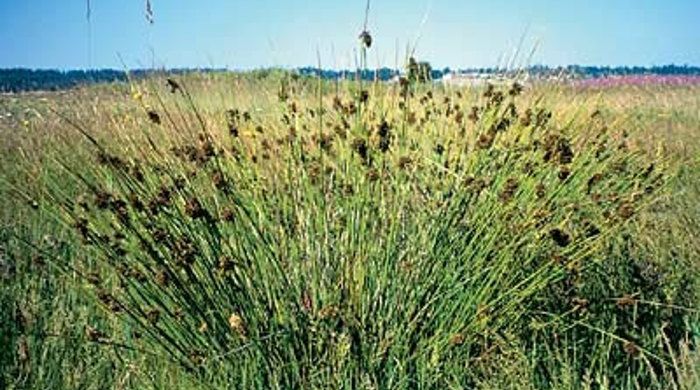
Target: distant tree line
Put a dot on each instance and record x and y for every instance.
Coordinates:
(417, 71)
(20, 80)
(607, 71)
(23, 80)
(423, 71)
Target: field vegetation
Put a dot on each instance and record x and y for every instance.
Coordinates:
(273, 231)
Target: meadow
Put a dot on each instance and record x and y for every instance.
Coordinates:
(271, 231)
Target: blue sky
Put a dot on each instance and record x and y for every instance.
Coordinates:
(261, 33)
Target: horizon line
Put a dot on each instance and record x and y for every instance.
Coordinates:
(278, 67)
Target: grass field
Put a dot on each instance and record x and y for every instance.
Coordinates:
(272, 231)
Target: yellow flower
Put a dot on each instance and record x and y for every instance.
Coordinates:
(25, 123)
(137, 95)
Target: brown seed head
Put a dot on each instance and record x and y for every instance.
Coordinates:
(564, 173)
(174, 86)
(360, 147)
(457, 339)
(226, 264)
(625, 210)
(227, 215)
(509, 189)
(23, 350)
(93, 334)
(81, 225)
(153, 315)
(631, 349)
(102, 199)
(526, 118)
(237, 325)
(366, 39)
(328, 312)
(439, 149)
(405, 162)
(560, 237)
(154, 117)
(580, 303)
(373, 175)
(485, 141)
(162, 278)
(363, 97)
(516, 89)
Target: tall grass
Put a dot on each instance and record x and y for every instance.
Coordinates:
(285, 232)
